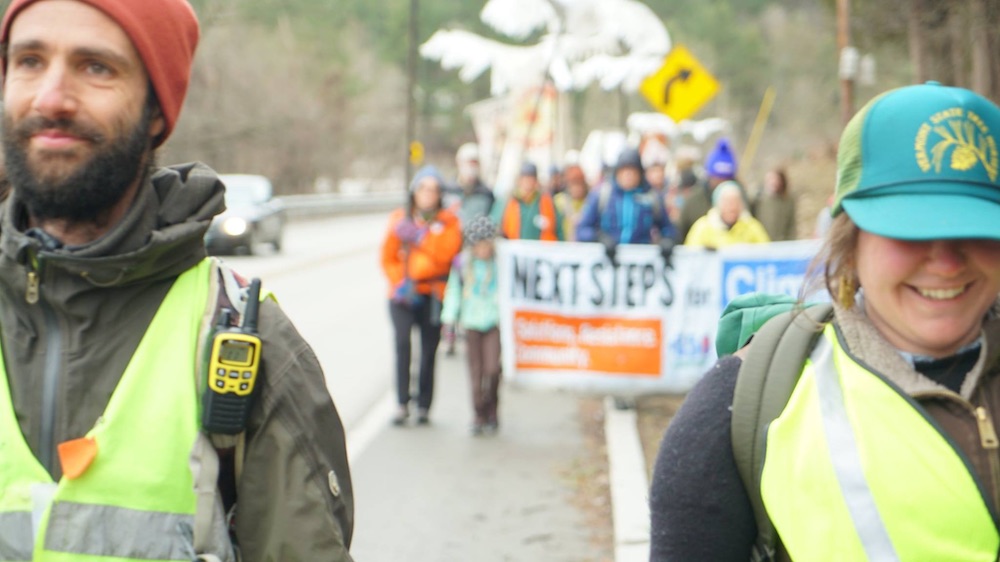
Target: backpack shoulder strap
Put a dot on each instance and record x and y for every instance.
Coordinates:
(603, 197)
(226, 290)
(659, 213)
(766, 379)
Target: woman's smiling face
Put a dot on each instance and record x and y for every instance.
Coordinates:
(928, 297)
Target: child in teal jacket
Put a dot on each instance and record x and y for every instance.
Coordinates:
(471, 302)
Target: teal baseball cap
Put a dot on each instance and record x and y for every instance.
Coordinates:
(921, 163)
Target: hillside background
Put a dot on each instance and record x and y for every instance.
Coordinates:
(313, 92)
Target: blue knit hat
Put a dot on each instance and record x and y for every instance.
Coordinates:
(529, 169)
(427, 171)
(720, 162)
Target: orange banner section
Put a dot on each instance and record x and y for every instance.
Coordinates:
(623, 346)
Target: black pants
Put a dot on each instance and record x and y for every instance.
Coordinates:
(404, 318)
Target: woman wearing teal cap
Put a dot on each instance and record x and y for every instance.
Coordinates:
(883, 445)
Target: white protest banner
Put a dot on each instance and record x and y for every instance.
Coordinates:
(570, 318)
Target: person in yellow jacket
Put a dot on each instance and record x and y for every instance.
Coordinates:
(886, 448)
(727, 222)
(420, 244)
(106, 295)
(570, 202)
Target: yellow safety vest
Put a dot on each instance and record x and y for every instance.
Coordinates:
(854, 470)
(136, 500)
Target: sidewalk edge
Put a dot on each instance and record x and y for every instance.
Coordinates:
(629, 485)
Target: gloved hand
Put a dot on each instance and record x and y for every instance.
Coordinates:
(610, 245)
(667, 251)
(408, 232)
(404, 292)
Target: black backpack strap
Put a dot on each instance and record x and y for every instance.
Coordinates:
(767, 377)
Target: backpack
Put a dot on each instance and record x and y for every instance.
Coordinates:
(766, 379)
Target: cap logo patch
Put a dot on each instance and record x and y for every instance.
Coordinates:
(958, 139)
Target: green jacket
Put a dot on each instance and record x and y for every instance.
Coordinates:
(66, 353)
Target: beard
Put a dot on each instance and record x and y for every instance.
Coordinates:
(51, 190)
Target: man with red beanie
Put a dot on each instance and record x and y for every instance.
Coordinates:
(111, 445)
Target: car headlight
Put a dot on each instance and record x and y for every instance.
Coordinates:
(234, 226)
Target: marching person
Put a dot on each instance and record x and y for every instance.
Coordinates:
(727, 222)
(720, 166)
(468, 198)
(105, 297)
(529, 213)
(472, 301)
(422, 240)
(625, 210)
(775, 206)
(570, 202)
(884, 446)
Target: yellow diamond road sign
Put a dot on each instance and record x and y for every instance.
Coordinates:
(416, 153)
(680, 87)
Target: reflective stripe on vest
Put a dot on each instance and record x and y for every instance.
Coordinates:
(136, 500)
(853, 471)
(15, 536)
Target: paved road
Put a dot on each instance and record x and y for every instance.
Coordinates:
(327, 279)
(438, 494)
(433, 493)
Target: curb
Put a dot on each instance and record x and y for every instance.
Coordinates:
(629, 485)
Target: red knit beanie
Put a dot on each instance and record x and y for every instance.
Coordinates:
(164, 32)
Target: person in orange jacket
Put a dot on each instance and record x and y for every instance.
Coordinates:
(422, 240)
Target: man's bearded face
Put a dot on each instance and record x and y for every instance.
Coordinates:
(58, 185)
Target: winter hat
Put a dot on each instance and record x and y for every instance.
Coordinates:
(427, 171)
(686, 178)
(629, 158)
(163, 32)
(468, 152)
(480, 228)
(655, 153)
(529, 169)
(723, 188)
(921, 163)
(720, 162)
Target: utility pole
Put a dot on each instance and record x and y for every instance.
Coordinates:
(411, 86)
(843, 46)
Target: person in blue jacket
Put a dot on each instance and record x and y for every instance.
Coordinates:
(625, 209)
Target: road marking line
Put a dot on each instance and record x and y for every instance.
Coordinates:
(361, 435)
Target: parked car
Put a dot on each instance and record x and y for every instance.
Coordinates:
(252, 217)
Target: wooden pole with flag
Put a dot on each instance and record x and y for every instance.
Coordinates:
(758, 128)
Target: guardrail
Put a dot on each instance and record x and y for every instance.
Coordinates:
(330, 204)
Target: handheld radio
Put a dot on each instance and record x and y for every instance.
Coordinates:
(232, 369)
